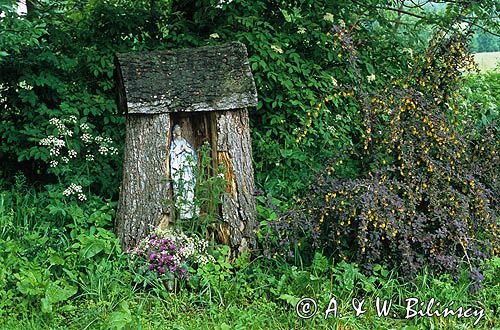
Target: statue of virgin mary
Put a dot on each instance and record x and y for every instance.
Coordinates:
(183, 161)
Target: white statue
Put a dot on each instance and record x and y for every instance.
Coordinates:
(183, 161)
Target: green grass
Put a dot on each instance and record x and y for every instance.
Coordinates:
(257, 294)
(487, 61)
(186, 311)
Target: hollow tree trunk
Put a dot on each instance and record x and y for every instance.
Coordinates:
(233, 150)
(207, 92)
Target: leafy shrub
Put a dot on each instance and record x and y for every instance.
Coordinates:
(58, 96)
(49, 247)
(426, 197)
(480, 98)
(210, 187)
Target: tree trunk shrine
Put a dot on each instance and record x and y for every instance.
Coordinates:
(175, 101)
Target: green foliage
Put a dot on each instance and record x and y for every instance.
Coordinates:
(211, 185)
(485, 42)
(296, 59)
(428, 194)
(317, 67)
(52, 88)
(48, 254)
(480, 100)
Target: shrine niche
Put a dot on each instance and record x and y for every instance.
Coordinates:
(175, 101)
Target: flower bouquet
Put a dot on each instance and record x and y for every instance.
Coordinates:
(171, 255)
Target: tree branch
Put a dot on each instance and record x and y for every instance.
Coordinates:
(416, 5)
(398, 20)
(485, 29)
(398, 10)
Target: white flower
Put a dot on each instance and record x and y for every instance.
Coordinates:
(277, 49)
(214, 36)
(53, 163)
(75, 189)
(52, 140)
(84, 126)
(371, 77)
(65, 160)
(59, 124)
(54, 121)
(103, 150)
(334, 82)
(328, 17)
(72, 153)
(59, 143)
(301, 30)
(72, 119)
(89, 158)
(222, 3)
(86, 138)
(45, 141)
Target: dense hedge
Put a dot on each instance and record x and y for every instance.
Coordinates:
(346, 85)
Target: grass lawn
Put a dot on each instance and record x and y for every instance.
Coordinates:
(487, 61)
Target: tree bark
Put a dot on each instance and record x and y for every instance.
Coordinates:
(145, 189)
(210, 78)
(234, 150)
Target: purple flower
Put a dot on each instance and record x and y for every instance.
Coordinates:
(153, 256)
(151, 266)
(153, 236)
(162, 247)
(161, 270)
(171, 246)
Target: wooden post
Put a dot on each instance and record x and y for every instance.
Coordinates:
(207, 92)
